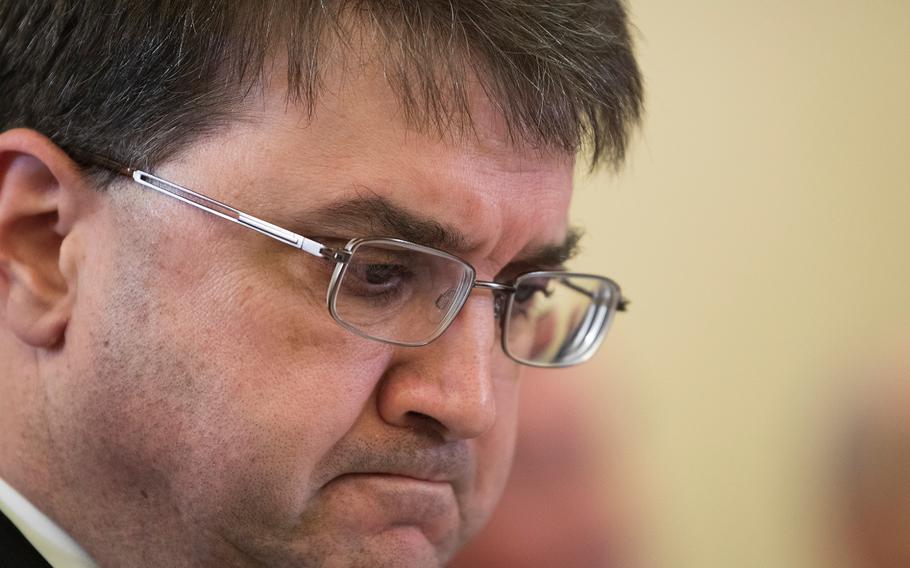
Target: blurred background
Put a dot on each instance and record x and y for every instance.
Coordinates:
(761, 230)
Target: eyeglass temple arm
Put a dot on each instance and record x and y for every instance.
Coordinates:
(219, 209)
(216, 208)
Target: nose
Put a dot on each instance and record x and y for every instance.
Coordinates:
(447, 386)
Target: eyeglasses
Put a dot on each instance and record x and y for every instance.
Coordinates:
(403, 293)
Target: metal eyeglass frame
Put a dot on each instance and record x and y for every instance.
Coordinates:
(618, 303)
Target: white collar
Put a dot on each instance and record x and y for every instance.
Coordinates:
(57, 547)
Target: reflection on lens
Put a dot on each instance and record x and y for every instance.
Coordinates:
(444, 302)
(399, 292)
(558, 319)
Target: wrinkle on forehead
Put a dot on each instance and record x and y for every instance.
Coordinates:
(504, 197)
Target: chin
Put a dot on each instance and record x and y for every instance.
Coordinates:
(401, 546)
(395, 547)
(398, 547)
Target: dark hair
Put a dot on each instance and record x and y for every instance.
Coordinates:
(138, 80)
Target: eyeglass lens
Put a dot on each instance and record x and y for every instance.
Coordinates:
(398, 292)
(408, 294)
(558, 319)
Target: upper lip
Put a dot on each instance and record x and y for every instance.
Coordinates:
(436, 477)
(450, 462)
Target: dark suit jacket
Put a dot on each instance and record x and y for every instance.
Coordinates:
(15, 550)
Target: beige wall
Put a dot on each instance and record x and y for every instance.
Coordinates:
(761, 230)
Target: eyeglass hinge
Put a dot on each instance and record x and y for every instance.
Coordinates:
(336, 255)
(494, 286)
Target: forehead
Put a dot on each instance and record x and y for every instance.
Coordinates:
(358, 143)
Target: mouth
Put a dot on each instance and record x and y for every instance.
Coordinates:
(427, 477)
(403, 478)
(401, 486)
(396, 487)
(387, 502)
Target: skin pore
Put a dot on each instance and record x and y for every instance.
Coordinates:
(196, 405)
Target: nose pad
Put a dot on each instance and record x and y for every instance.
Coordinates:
(499, 305)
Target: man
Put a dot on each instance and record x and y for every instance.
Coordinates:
(199, 366)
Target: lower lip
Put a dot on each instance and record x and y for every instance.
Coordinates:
(377, 502)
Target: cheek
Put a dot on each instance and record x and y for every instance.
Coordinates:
(217, 387)
(279, 389)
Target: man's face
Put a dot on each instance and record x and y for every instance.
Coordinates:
(205, 391)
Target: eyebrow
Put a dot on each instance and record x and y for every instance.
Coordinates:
(377, 216)
(552, 255)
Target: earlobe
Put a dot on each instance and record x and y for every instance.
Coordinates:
(36, 324)
(39, 185)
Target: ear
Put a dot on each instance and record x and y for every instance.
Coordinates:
(42, 194)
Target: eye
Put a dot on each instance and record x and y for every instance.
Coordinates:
(526, 292)
(376, 279)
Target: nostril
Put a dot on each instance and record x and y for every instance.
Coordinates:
(424, 424)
